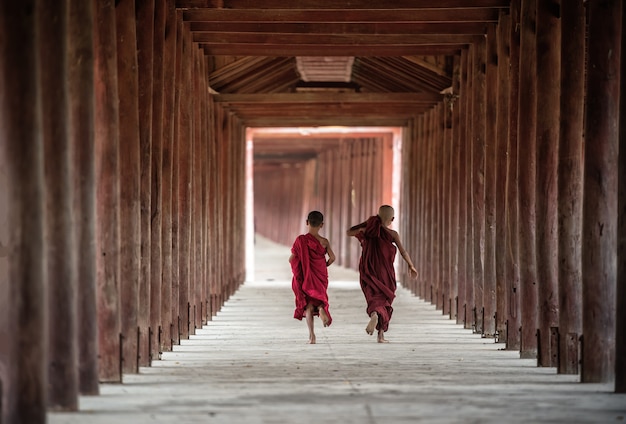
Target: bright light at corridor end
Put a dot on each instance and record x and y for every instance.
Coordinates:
(321, 131)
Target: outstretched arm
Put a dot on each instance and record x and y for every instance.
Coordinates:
(356, 229)
(405, 254)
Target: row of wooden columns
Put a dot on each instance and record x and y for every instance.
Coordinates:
(347, 184)
(516, 216)
(122, 196)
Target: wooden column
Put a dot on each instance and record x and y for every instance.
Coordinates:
(144, 12)
(547, 139)
(130, 179)
(513, 317)
(478, 178)
(468, 307)
(462, 195)
(455, 179)
(502, 140)
(571, 151)
(156, 189)
(81, 132)
(59, 170)
(108, 216)
(599, 240)
(527, 123)
(491, 165)
(22, 249)
(620, 316)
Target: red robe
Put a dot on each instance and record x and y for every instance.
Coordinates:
(377, 274)
(310, 275)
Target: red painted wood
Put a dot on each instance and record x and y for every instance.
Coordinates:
(600, 188)
(527, 123)
(108, 211)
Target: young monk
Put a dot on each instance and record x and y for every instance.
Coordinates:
(310, 276)
(377, 274)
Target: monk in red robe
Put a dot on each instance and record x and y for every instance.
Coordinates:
(377, 273)
(310, 275)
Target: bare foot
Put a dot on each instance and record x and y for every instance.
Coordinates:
(371, 326)
(324, 317)
(312, 339)
(381, 337)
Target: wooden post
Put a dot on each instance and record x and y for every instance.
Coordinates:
(130, 160)
(513, 316)
(478, 176)
(144, 22)
(599, 240)
(107, 145)
(157, 189)
(462, 160)
(547, 139)
(571, 142)
(469, 305)
(455, 178)
(527, 119)
(81, 131)
(501, 153)
(491, 163)
(620, 316)
(22, 287)
(61, 254)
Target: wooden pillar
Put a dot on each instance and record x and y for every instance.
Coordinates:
(501, 153)
(512, 271)
(620, 316)
(527, 123)
(478, 178)
(59, 170)
(599, 240)
(184, 189)
(130, 168)
(462, 195)
(491, 162)
(469, 306)
(547, 140)
(144, 12)
(81, 132)
(454, 192)
(108, 215)
(22, 249)
(571, 150)
(156, 189)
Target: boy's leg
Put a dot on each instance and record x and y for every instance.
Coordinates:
(309, 322)
(323, 315)
(381, 337)
(371, 326)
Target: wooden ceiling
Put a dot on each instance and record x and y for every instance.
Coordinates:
(308, 63)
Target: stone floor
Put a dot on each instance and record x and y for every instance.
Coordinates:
(252, 364)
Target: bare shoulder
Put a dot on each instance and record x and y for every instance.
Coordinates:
(324, 241)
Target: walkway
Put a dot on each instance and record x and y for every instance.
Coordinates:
(251, 364)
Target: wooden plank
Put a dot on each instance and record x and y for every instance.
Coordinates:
(309, 98)
(346, 28)
(352, 4)
(372, 40)
(342, 15)
(337, 50)
(620, 339)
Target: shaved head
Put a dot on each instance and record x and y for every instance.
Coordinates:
(386, 213)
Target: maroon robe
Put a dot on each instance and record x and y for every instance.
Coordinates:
(310, 275)
(377, 274)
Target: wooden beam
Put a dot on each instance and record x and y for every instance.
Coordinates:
(309, 98)
(359, 28)
(341, 15)
(352, 4)
(220, 49)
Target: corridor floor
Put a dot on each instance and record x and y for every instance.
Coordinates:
(252, 364)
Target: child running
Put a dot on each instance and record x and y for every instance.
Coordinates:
(310, 275)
